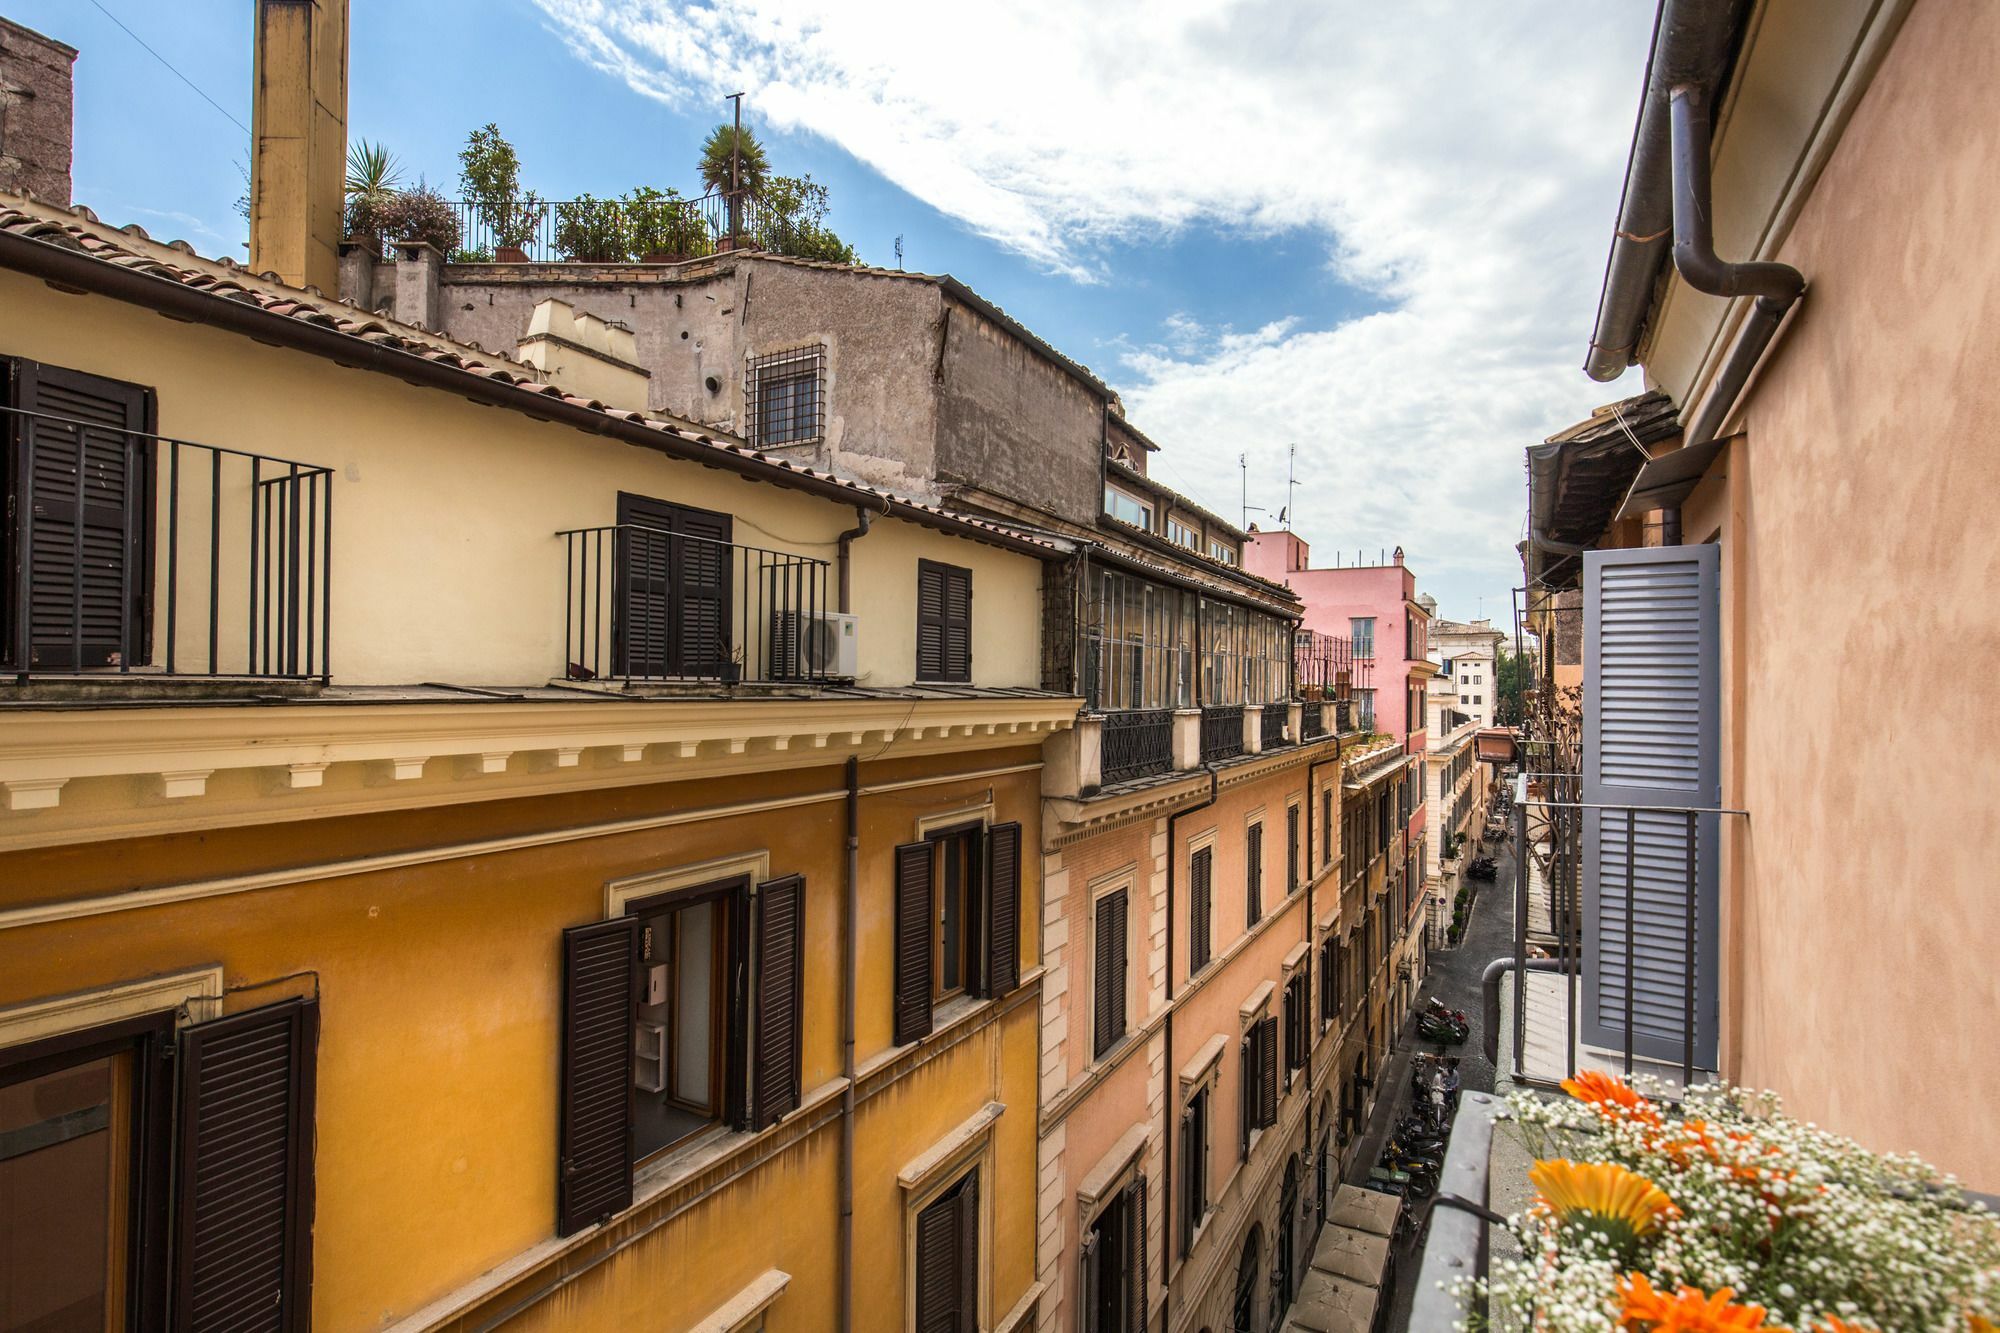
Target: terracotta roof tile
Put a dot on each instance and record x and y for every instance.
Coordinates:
(78, 234)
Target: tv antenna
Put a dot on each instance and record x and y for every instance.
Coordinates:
(1243, 462)
(899, 252)
(1291, 485)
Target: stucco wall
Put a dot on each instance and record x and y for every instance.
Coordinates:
(35, 101)
(438, 985)
(446, 566)
(1858, 575)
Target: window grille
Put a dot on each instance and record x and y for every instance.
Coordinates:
(787, 392)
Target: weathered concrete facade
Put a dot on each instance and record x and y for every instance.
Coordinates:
(35, 114)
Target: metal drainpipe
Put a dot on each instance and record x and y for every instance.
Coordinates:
(849, 914)
(1312, 1013)
(1167, 1072)
(864, 520)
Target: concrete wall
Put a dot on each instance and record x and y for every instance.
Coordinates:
(1860, 931)
(446, 564)
(1011, 423)
(35, 113)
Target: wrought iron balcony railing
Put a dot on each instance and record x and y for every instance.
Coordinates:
(140, 555)
(646, 604)
(1312, 722)
(1273, 724)
(1221, 732)
(1138, 743)
(619, 231)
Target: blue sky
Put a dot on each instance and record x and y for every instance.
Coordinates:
(1375, 231)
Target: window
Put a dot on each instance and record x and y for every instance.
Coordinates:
(958, 913)
(1194, 1166)
(82, 515)
(1253, 862)
(1114, 1263)
(1326, 824)
(1329, 980)
(944, 622)
(1201, 884)
(91, 1123)
(1297, 1025)
(1222, 551)
(1110, 949)
(1362, 631)
(1128, 509)
(688, 1054)
(1260, 1077)
(787, 396)
(673, 594)
(947, 1260)
(1181, 534)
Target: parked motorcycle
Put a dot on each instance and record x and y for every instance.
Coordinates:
(1442, 1031)
(1482, 867)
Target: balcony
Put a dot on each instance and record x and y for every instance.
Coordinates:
(1312, 721)
(1221, 732)
(615, 231)
(646, 605)
(1273, 726)
(1137, 743)
(148, 558)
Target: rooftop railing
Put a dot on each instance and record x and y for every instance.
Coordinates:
(645, 604)
(619, 231)
(143, 555)
(1138, 743)
(1273, 725)
(1221, 732)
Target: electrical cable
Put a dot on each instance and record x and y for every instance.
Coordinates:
(170, 66)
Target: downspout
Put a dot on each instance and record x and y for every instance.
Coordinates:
(1312, 924)
(849, 914)
(1776, 286)
(864, 520)
(1167, 1071)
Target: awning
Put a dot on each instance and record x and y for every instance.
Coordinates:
(1343, 1280)
(1667, 478)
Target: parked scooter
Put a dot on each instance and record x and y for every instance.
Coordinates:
(1444, 1031)
(1482, 867)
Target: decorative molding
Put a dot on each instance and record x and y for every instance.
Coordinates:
(183, 992)
(185, 783)
(948, 1151)
(306, 775)
(35, 793)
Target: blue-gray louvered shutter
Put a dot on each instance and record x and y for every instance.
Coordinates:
(1651, 713)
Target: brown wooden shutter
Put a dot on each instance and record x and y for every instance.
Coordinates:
(1135, 1254)
(674, 593)
(1109, 1020)
(947, 1260)
(913, 942)
(958, 625)
(594, 1151)
(930, 621)
(1291, 849)
(1199, 889)
(1253, 859)
(968, 1253)
(1192, 1166)
(1003, 902)
(243, 1252)
(779, 932)
(1267, 1074)
(80, 493)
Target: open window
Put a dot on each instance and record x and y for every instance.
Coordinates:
(1114, 1263)
(958, 915)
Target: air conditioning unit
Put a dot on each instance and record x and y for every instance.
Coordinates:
(812, 645)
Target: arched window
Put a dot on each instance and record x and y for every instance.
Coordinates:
(1244, 1312)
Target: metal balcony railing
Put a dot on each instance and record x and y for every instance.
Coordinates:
(144, 555)
(1138, 743)
(1221, 732)
(1273, 725)
(1312, 722)
(646, 604)
(616, 231)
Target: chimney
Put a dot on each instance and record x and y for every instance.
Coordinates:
(298, 154)
(34, 114)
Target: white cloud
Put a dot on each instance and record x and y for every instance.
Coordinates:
(1460, 160)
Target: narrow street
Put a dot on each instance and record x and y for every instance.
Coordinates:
(1453, 978)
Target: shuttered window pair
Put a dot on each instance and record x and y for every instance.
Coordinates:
(1260, 1077)
(1291, 850)
(1114, 1264)
(601, 992)
(993, 915)
(947, 1260)
(1110, 967)
(1329, 979)
(1201, 891)
(78, 475)
(1253, 862)
(1194, 1167)
(944, 622)
(675, 576)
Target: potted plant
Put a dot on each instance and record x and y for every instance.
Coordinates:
(733, 165)
(422, 214)
(490, 177)
(592, 231)
(732, 670)
(656, 225)
(372, 172)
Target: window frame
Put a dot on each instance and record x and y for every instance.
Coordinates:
(1145, 508)
(1119, 884)
(970, 834)
(944, 673)
(805, 362)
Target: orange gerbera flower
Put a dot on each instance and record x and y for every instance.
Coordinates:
(1688, 1310)
(1622, 1206)
(1979, 1324)
(1611, 1097)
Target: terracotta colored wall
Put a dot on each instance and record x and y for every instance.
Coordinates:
(1859, 569)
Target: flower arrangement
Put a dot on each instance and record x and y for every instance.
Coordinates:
(1725, 1215)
